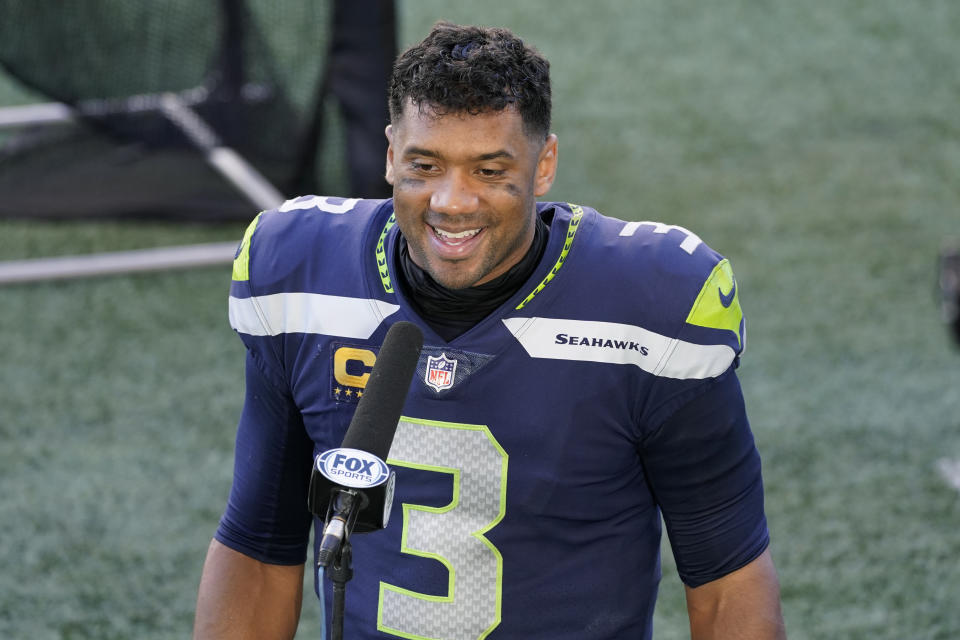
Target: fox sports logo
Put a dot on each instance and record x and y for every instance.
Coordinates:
(352, 468)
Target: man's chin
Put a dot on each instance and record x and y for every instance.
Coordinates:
(455, 283)
(452, 277)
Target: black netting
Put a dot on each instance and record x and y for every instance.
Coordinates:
(256, 71)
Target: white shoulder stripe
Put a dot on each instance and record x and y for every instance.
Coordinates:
(308, 313)
(616, 343)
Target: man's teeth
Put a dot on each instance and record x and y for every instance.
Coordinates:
(446, 235)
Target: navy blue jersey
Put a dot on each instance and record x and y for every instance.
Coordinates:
(536, 451)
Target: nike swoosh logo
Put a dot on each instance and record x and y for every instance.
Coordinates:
(727, 300)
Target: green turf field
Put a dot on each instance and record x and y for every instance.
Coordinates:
(816, 144)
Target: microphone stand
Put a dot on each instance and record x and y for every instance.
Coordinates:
(336, 552)
(341, 570)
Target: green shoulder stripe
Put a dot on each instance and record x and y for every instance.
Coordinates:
(567, 243)
(718, 304)
(241, 264)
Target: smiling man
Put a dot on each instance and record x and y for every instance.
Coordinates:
(577, 382)
(465, 189)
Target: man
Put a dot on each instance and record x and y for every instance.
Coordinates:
(577, 380)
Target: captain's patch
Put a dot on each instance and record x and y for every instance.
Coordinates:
(351, 370)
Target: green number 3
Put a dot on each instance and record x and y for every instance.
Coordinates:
(452, 534)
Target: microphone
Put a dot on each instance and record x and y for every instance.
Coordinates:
(351, 486)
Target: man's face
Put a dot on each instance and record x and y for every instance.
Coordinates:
(465, 189)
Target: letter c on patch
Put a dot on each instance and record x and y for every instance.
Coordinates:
(342, 356)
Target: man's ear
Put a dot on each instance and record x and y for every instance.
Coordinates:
(546, 166)
(389, 133)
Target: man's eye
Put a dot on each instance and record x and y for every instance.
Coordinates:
(425, 167)
(491, 173)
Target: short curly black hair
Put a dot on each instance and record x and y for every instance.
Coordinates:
(470, 69)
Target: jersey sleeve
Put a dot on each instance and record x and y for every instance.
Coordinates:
(266, 516)
(704, 471)
(696, 443)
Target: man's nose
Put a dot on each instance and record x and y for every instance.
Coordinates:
(454, 194)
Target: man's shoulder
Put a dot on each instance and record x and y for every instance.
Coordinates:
(639, 254)
(309, 231)
(656, 275)
(300, 222)
(651, 246)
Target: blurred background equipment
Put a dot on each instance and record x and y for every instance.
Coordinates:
(192, 110)
(949, 285)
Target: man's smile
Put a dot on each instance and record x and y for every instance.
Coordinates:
(451, 237)
(447, 244)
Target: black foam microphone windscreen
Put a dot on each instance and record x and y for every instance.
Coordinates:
(375, 421)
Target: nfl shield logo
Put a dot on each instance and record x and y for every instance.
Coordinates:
(440, 372)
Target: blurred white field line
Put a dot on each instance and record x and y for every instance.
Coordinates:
(116, 262)
(950, 471)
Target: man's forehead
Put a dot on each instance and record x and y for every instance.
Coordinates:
(430, 115)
